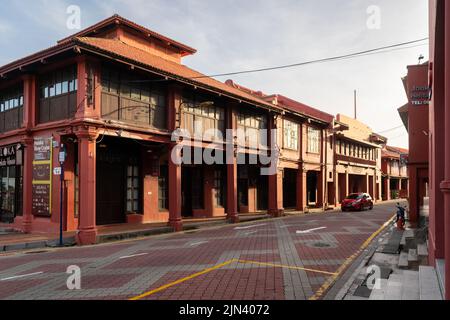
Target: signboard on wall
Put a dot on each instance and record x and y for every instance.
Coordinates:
(11, 155)
(420, 95)
(42, 177)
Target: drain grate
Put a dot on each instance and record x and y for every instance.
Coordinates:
(321, 245)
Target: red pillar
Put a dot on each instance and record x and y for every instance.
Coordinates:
(275, 198)
(87, 147)
(29, 121)
(276, 194)
(175, 219)
(28, 184)
(445, 186)
(89, 88)
(301, 190)
(232, 193)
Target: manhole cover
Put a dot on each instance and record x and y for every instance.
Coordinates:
(321, 245)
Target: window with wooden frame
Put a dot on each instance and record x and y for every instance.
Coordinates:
(291, 134)
(11, 108)
(129, 97)
(313, 140)
(133, 189)
(207, 121)
(254, 128)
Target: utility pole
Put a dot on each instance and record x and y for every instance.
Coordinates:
(356, 115)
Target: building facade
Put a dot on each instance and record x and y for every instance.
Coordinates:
(439, 140)
(394, 170)
(99, 122)
(415, 117)
(357, 159)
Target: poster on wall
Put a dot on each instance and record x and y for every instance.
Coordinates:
(42, 177)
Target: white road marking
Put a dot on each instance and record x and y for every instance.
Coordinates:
(198, 243)
(249, 227)
(22, 276)
(249, 233)
(310, 230)
(133, 256)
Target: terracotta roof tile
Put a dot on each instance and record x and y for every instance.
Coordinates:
(166, 67)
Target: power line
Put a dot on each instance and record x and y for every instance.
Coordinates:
(391, 129)
(346, 56)
(378, 50)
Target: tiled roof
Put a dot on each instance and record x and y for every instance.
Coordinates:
(116, 19)
(120, 49)
(286, 103)
(397, 149)
(305, 109)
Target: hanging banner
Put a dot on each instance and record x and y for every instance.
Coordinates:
(42, 177)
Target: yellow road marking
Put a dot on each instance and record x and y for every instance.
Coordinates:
(348, 261)
(285, 266)
(317, 295)
(164, 287)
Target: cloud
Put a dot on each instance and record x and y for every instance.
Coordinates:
(233, 35)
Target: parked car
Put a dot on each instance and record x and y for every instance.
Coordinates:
(357, 202)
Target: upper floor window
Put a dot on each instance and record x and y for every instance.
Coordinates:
(132, 98)
(313, 140)
(204, 119)
(11, 99)
(253, 127)
(290, 135)
(59, 82)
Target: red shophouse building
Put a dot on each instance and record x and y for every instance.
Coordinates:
(439, 140)
(306, 153)
(112, 95)
(395, 183)
(414, 115)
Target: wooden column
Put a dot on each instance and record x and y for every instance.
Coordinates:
(87, 147)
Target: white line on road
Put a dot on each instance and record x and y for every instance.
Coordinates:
(198, 243)
(249, 233)
(133, 256)
(249, 227)
(310, 230)
(22, 276)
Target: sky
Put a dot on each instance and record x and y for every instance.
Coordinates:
(235, 35)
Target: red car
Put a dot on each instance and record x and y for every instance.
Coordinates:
(358, 202)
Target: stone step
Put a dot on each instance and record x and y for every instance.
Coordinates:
(394, 288)
(408, 234)
(403, 260)
(413, 259)
(410, 284)
(429, 284)
(422, 250)
(378, 294)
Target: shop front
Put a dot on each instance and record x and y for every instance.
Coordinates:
(11, 159)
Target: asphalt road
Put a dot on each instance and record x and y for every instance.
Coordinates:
(294, 258)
